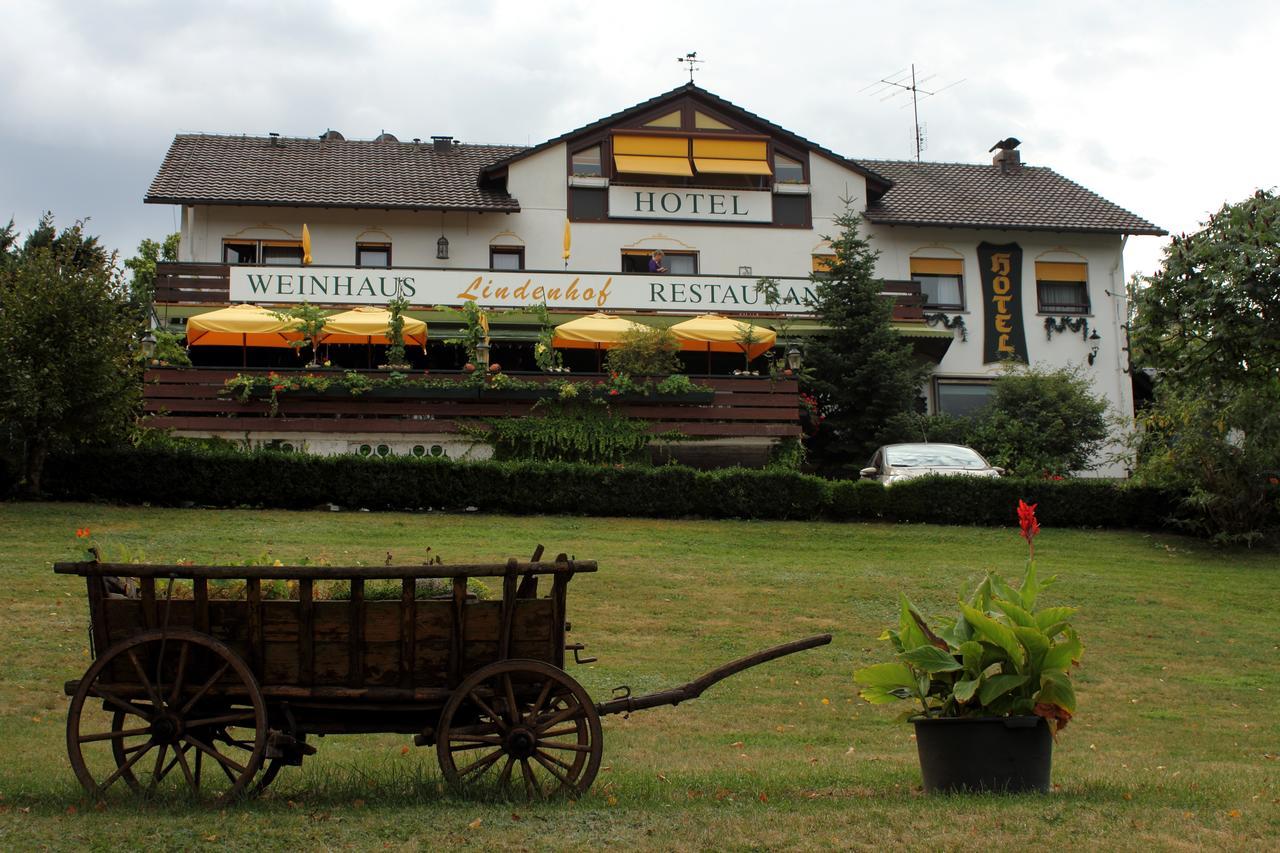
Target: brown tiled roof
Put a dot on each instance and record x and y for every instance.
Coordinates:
(251, 170)
(1031, 198)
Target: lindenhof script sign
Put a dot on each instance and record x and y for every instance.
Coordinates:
(697, 204)
(566, 291)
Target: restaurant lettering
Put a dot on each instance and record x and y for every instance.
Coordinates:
(566, 291)
(1004, 338)
(702, 205)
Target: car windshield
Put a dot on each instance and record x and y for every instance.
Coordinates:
(933, 456)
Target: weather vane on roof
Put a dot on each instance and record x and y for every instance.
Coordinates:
(691, 59)
(887, 88)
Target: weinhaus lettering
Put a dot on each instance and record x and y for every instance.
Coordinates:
(269, 285)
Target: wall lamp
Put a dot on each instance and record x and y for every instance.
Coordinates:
(1094, 338)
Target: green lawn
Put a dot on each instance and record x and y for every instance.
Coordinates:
(1176, 743)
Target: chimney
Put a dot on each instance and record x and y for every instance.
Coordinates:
(442, 144)
(1008, 161)
(275, 139)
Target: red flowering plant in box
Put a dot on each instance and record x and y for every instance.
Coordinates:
(1002, 655)
(811, 414)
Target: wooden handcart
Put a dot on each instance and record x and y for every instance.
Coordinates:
(216, 694)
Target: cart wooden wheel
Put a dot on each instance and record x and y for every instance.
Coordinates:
(176, 707)
(523, 728)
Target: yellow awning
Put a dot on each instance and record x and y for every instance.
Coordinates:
(715, 166)
(1049, 271)
(640, 165)
(241, 326)
(594, 331)
(369, 326)
(731, 149)
(716, 333)
(937, 266)
(651, 146)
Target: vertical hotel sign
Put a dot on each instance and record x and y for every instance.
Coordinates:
(1004, 337)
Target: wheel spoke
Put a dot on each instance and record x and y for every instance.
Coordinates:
(114, 735)
(488, 712)
(531, 785)
(199, 766)
(123, 768)
(213, 753)
(550, 768)
(123, 704)
(237, 717)
(186, 769)
(543, 755)
(504, 780)
(146, 682)
(204, 688)
(230, 776)
(178, 750)
(513, 710)
(180, 677)
(480, 739)
(156, 774)
(557, 718)
(542, 697)
(559, 732)
(572, 747)
(481, 765)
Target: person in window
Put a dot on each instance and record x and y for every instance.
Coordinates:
(655, 262)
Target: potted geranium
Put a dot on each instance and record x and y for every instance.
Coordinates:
(993, 683)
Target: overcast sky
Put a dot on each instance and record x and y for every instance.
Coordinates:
(1164, 108)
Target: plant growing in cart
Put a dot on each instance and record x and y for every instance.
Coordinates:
(1003, 657)
(310, 322)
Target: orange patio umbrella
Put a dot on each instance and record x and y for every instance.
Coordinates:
(594, 331)
(243, 326)
(717, 333)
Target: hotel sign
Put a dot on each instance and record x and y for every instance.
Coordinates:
(563, 291)
(1003, 335)
(699, 205)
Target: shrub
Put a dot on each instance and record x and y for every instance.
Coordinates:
(569, 433)
(216, 476)
(645, 352)
(911, 427)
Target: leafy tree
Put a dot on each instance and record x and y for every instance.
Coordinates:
(863, 371)
(645, 352)
(1209, 316)
(70, 373)
(142, 266)
(1042, 422)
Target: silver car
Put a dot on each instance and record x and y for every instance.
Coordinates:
(894, 463)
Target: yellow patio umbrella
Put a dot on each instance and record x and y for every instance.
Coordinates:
(306, 245)
(717, 333)
(568, 240)
(594, 331)
(368, 325)
(241, 326)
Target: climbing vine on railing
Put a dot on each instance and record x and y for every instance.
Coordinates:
(1074, 324)
(948, 323)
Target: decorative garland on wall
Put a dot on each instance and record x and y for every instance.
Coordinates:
(948, 323)
(1074, 324)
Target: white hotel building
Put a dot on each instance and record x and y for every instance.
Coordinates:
(728, 196)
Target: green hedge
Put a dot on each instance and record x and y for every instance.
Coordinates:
(216, 477)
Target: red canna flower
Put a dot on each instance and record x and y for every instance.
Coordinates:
(1027, 520)
(613, 392)
(82, 533)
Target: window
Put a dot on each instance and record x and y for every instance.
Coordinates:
(677, 263)
(961, 398)
(1062, 288)
(506, 257)
(373, 254)
(787, 170)
(671, 120)
(791, 210)
(702, 121)
(587, 162)
(588, 204)
(941, 281)
(276, 252)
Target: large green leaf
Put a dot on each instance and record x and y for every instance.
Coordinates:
(1036, 644)
(1056, 689)
(1016, 614)
(965, 689)
(885, 675)
(1030, 586)
(908, 631)
(997, 685)
(1060, 657)
(1001, 589)
(1053, 616)
(971, 654)
(931, 659)
(991, 630)
(885, 695)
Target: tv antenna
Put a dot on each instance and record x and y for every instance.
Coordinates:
(691, 59)
(890, 87)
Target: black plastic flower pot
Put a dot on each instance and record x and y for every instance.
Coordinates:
(1005, 754)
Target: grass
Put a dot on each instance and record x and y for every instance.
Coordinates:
(1175, 745)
